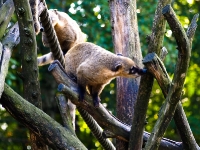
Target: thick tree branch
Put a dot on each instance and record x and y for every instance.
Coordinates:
(28, 47)
(11, 39)
(101, 115)
(65, 112)
(175, 91)
(154, 45)
(126, 41)
(6, 11)
(38, 122)
(157, 68)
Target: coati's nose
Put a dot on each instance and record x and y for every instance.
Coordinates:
(135, 70)
(41, 29)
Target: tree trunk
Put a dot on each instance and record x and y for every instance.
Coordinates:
(126, 41)
(28, 52)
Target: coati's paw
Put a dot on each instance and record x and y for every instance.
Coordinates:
(96, 101)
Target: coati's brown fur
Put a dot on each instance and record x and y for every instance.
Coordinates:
(67, 30)
(94, 67)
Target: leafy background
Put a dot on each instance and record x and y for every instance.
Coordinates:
(93, 18)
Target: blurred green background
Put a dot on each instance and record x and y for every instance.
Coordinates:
(94, 19)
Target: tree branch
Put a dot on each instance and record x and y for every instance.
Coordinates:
(101, 115)
(9, 41)
(38, 122)
(145, 88)
(28, 47)
(65, 112)
(6, 11)
(175, 91)
(157, 68)
(126, 41)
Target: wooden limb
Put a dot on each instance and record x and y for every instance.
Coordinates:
(42, 125)
(166, 144)
(157, 68)
(28, 47)
(8, 42)
(154, 45)
(192, 28)
(163, 54)
(6, 11)
(96, 130)
(125, 35)
(175, 90)
(65, 113)
(101, 115)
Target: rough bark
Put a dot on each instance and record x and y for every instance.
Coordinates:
(8, 42)
(125, 41)
(6, 11)
(175, 90)
(42, 125)
(65, 112)
(155, 44)
(157, 68)
(28, 53)
(107, 121)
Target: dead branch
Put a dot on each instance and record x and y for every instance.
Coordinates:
(175, 90)
(9, 41)
(6, 11)
(157, 68)
(155, 44)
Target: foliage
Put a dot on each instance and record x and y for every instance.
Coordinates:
(94, 19)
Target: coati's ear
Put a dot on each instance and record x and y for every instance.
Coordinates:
(117, 67)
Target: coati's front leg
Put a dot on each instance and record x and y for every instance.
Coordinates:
(83, 79)
(95, 92)
(81, 92)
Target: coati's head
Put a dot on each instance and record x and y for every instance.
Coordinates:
(126, 67)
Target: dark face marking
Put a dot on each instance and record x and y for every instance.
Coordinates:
(135, 70)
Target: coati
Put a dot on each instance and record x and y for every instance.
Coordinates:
(68, 33)
(94, 67)
(67, 30)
